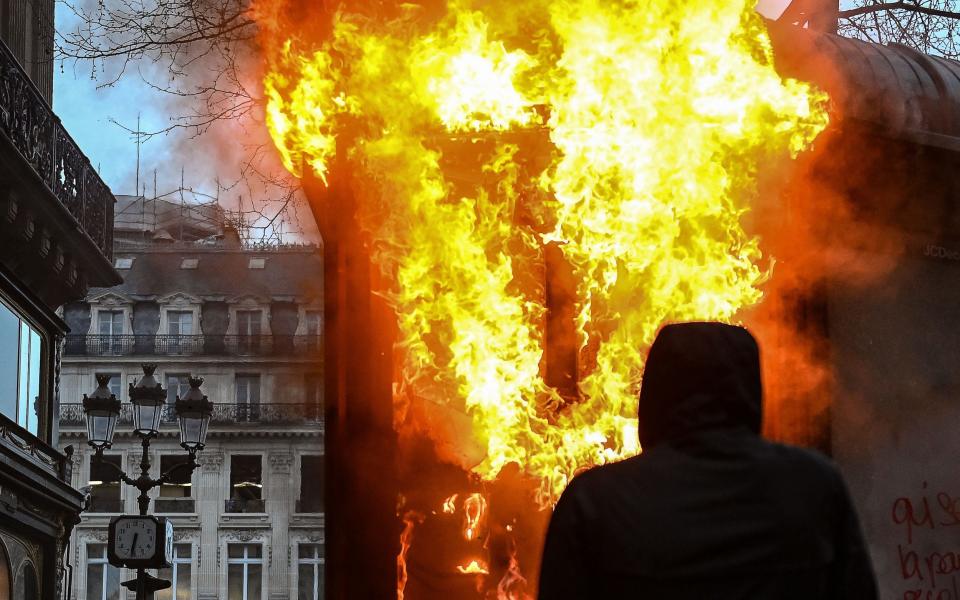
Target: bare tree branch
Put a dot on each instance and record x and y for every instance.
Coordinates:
(908, 6)
(929, 26)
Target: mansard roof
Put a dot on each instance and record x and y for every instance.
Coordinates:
(221, 274)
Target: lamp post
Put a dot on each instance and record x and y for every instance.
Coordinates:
(102, 410)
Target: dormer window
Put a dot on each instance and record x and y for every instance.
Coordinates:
(257, 263)
(180, 322)
(189, 263)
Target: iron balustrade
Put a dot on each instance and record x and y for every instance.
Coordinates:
(31, 126)
(104, 505)
(279, 413)
(244, 505)
(191, 345)
(174, 505)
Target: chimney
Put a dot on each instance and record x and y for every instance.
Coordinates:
(231, 237)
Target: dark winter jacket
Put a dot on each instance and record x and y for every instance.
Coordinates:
(709, 510)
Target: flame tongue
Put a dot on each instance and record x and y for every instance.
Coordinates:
(659, 116)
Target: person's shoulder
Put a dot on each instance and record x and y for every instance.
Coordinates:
(797, 458)
(609, 474)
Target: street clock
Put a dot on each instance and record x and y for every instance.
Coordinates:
(140, 542)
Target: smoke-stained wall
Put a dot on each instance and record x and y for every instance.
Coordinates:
(146, 318)
(77, 317)
(284, 318)
(216, 318)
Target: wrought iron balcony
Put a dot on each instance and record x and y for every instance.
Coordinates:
(192, 345)
(229, 414)
(174, 505)
(309, 505)
(240, 505)
(104, 504)
(35, 131)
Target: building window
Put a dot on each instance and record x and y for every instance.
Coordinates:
(115, 385)
(180, 322)
(123, 263)
(246, 484)
(248, 322)
(178, 384)
(103, 580)
(105, 486)
(257, 263)
(110, 322)
(311, 484)
(176, 491)
(179, 574)
(309, 572)
(21, 360)
(248, 397)
(244, 571)
(179, 338)
(178, 485)
(110, 328)
(248, 331)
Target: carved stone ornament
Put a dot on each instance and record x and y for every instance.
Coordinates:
(244, 535)
(281, 463)
(210, 461)
(96, 535)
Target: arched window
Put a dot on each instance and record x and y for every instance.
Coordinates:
(27, 585)
(5, 588)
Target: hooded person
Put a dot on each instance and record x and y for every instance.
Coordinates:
(709, 510)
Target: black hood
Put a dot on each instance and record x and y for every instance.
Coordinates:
(699, 376)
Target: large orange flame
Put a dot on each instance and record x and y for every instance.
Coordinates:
(629, 133)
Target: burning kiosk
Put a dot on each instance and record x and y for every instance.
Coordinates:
(387, 489)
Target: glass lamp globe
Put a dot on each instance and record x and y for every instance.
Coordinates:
(148, 398)
(101, 409)
(193, 412)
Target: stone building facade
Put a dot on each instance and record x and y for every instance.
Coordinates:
(249, 522)
(56, 229)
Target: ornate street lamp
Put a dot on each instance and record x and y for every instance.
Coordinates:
(148, 398)
(193, 412)
(102, 410)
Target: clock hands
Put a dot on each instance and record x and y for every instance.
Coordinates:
(133, 544)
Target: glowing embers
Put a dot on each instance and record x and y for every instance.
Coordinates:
(474, 567)
(474, 516)
(480, 543)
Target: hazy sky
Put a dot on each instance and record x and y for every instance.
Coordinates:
(90, 114)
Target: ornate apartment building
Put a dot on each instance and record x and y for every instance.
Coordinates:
(56, 230)
(249, 522)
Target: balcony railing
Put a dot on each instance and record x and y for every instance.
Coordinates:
(71, 415)
(173, 505)
(309, 505)
(192, 345)
(104, 505)
(251, 505)
(35, 131)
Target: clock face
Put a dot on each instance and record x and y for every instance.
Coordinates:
(135, 538)
(168, 546)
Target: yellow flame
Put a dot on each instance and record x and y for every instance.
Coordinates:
(475, 510)
(450, 505)
(656, 118)
(475, 566)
